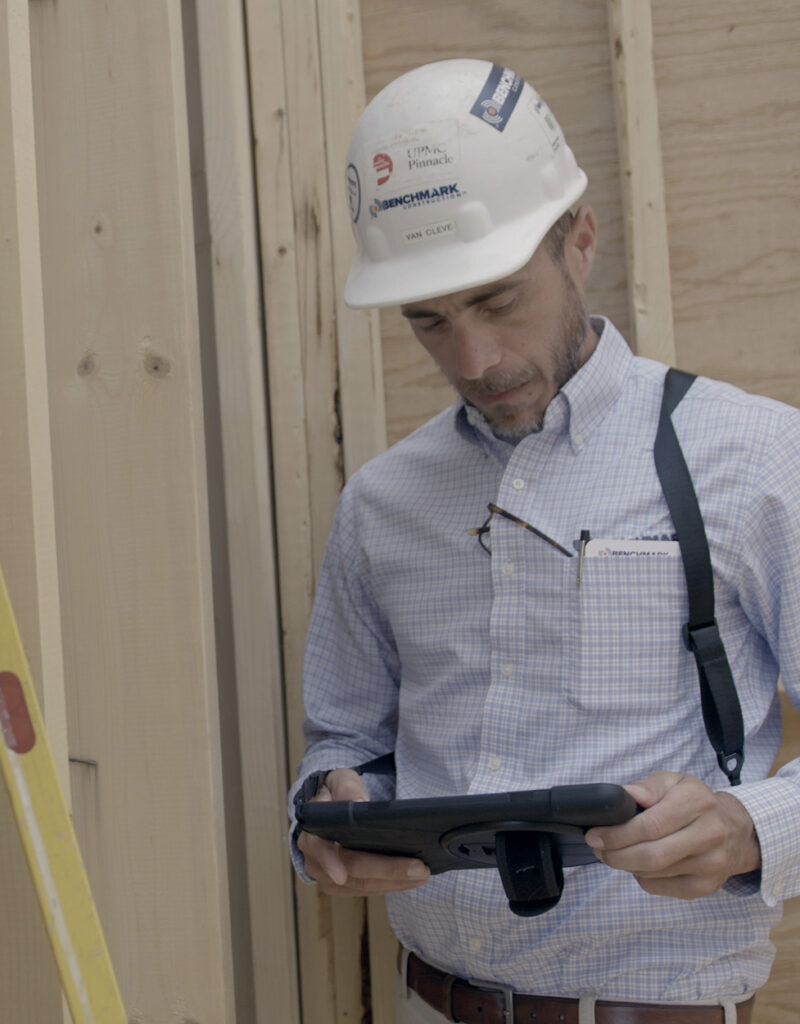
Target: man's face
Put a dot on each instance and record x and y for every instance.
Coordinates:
(508, 347)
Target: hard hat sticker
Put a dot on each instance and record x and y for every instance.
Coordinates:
(412, 200)
(544, 117)
(427, 232)
(398, 163)
(15, 720)
(353, 192)
(384, 166)
(498, 97)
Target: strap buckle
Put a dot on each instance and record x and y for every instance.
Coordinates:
(507, 993)
(689, 631)
(722, 712)
(731, 765)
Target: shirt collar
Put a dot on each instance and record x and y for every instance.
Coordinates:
(582, 404)
(595, 388)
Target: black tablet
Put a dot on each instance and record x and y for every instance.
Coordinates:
(459, 831)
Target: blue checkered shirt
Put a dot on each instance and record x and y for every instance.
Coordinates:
(497, 673)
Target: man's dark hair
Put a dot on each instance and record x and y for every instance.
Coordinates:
(554, 239)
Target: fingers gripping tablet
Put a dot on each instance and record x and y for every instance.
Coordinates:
(540, 828)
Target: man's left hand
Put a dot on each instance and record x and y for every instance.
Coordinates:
(687, 842)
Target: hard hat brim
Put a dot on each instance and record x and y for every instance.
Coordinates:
(454, 266)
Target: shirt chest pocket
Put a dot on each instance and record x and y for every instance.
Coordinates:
(629, 652)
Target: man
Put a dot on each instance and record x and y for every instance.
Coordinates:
(511, 664)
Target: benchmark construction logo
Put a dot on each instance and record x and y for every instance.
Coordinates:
(498, 97)
(410, 200)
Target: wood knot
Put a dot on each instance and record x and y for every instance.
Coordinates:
(102, 231)
(156, 365)
(87, 367)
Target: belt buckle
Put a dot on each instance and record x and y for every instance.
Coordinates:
(505, 990)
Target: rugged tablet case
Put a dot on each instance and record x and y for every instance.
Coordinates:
(459, 831)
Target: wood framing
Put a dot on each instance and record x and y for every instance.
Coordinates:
(359, 360)
(324, 402)
(29, 985)
(728, 81)
(245, 590)
(649, 286)
(131, 496)
(360, 365)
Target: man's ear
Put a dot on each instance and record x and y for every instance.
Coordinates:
(580, 244)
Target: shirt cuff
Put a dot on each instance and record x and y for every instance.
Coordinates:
(774, 806)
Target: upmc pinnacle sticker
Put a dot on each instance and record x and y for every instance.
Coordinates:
(15, 719)
(498, 97)
(383, 165)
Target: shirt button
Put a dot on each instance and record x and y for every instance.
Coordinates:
(507, 670)
(578, 440)
(508, 568)
(494, 764)
(475, 945)
(518, 484)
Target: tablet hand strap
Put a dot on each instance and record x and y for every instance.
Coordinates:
(530, 868)
(312, 783)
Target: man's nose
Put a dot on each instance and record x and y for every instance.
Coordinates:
(476, 351)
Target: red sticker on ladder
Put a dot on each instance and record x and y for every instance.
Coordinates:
(15, 719)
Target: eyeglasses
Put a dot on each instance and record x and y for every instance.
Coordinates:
(482, 532)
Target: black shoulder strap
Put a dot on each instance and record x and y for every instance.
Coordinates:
(722, 713)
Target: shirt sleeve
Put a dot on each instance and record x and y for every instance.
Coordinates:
(769, 591)
(351, 668)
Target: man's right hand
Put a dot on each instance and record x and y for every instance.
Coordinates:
(341, 872)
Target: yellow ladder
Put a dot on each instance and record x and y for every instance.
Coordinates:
(51, 847)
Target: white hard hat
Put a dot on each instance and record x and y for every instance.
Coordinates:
(455, 173)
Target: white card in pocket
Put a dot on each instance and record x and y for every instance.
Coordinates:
(603, 548)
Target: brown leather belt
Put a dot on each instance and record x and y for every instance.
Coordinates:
(459, 1000)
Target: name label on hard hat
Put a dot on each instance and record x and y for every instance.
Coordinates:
(429, 231)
